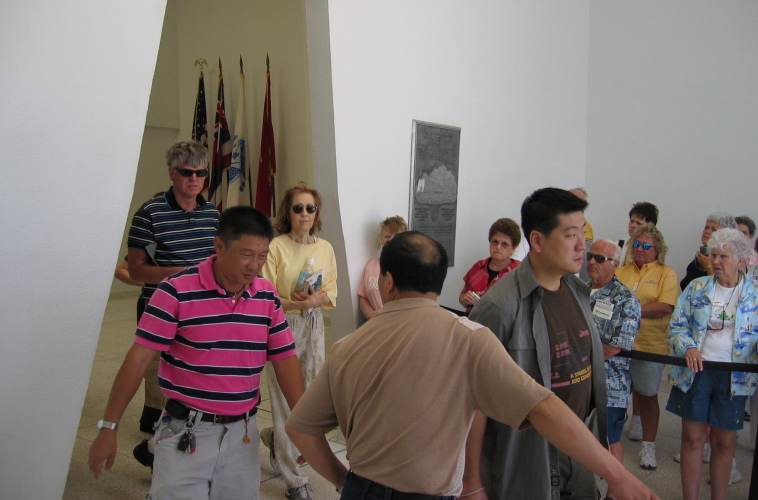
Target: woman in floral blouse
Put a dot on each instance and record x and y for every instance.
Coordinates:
(714, 320)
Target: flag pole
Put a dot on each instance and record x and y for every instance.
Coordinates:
(273, 185)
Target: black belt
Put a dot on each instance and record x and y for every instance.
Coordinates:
(368, 487)
(180, 411)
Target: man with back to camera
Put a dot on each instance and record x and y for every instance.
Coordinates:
(169, 233)
(541, 314)
(438, 369)
(215, 326)
(640, 213)
(617, 313)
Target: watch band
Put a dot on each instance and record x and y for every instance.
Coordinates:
(104, 424)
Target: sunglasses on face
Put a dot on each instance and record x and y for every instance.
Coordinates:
(645, 246)
(600, 259)
(310, 208)
(187, 172)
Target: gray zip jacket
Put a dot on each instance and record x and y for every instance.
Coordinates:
(523, 464)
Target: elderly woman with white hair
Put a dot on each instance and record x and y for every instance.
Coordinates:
(701, 264)
(714, 320)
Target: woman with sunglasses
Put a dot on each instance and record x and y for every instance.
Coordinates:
(656, 286)
(714, 320)
(701, 264)
(297, 222)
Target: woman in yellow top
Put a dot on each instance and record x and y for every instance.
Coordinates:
(297, 221)
(655, 285)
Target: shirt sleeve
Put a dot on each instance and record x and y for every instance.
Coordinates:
(314, 413)
(141, 231)
(628, 315)
(330, 276)
(680, 328)
(669, 287)
(499, 387)
(158, 325)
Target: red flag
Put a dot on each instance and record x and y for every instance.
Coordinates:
(200, 122)
(222, 150)
(264, 193)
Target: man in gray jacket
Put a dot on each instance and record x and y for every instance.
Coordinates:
(541, 314)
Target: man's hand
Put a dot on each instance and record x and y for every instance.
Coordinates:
(103, 449)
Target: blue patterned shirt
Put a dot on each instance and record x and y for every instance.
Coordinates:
(689, 325)
(617, 313)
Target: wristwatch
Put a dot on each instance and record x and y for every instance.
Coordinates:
(104, 424)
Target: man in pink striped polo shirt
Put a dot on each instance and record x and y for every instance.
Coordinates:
(214, 327)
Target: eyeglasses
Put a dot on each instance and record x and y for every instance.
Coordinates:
(310, 208)
(645, 246)
(600, 259)
(187, 172)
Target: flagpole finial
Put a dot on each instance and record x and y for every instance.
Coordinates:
(241, 64)
(268, 65)
(219, 65)
(201, 62)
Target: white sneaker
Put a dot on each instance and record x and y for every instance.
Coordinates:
(706, 455)
(635, 429)
(647, 457)
(300, 493)
(734, 475)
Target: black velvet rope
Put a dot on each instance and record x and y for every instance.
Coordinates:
(675, 360)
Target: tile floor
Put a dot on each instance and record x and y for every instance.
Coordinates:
(129, 480)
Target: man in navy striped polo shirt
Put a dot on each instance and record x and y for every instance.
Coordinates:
(169, 233)
(215, 326)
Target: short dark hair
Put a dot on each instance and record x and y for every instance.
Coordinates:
(242, 220)
(417, 262)
(744, 219)
(645, 209)
(540, 210)
(507, 227)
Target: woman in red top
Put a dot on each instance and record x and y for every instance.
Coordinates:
(505, 235)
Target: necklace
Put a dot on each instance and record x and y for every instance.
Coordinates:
(234, 294)
(304, 239)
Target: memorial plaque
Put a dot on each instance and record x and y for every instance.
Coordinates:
(434, 182)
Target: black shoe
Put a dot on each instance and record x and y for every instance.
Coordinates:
(148, 419)
(143, 455)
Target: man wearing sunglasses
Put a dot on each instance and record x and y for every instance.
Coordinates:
(169, 233)
(616, 311)
(656, 286)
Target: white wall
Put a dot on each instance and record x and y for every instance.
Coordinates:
(672, 115)
(512, 75)
(76, 88)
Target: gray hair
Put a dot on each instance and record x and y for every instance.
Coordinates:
(732, 238)
(189, 153)
(723, 219)
(616, 248)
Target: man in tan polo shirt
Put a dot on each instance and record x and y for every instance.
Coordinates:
(404, 387)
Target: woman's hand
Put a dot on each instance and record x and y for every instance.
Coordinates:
(468, 298)
(705, 262)
(694, 359)
(309, 301)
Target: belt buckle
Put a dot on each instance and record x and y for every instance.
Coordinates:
(218, 419)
